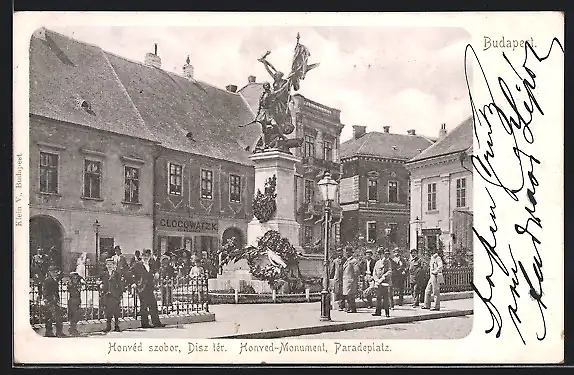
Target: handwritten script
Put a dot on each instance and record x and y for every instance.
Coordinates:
(506, 161)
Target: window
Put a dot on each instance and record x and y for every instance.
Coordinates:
(372, 189)
(309, 147)
(132, 185)
(461, 192)
(106, 246)
(48, 173)
(308, 235)
(371, 231)
(393, 192)
(175, 179)
(328, 150)
(309, 191)
(206, 184)
(431, 197)
(92, 178)
(234, 188)
(393, 233)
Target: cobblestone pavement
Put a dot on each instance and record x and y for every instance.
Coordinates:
(250, 318)
(445, 328)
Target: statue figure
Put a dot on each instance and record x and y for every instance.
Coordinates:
(274, 112)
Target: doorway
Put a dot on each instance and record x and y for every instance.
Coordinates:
(46, 233)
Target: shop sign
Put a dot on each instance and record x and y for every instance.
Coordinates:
(186, 225)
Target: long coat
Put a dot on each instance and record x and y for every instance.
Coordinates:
(350, 276)
(382, 272)
(416, 274)
(336, 273)
(144, 279)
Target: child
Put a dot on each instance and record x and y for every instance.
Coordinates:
(74, 287)
(112, 291)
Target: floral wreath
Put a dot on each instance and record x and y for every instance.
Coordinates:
(264, 204)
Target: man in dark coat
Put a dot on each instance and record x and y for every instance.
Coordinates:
(112, 291)
(51, 296)
(416, 277)
(399, 275)
(145, 277)
(366, 269)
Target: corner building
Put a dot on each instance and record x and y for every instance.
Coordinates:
(374, 190)
(91, 154)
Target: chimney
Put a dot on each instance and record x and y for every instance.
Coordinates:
(359, 131)
(251, 79)
(152, 59)
(231, 88)
(188, 69)
(386, 129)
(442, 131)
(411, 132)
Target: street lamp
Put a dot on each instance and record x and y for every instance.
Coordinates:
(328, 187)
(97, 230)
(417, 222)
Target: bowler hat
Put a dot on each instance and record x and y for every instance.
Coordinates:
(387, 251)
(110, 260)
(368, 251)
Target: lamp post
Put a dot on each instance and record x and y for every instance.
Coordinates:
(328, 187)
(97, 231)
(417, 223)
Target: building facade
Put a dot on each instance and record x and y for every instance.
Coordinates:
(203, 177)
(319, 127)
(91, 155)
(441, 194)
(374, 189)
(153, 156)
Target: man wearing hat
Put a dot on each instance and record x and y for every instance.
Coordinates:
(51, 296)
(382, 279)
(144, 277)
(415, 277)
(350, 279)
(336, 273)
(112, 291)
(398, 277)
(366, 267)
(74, 301)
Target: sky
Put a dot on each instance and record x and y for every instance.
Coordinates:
(402, 77)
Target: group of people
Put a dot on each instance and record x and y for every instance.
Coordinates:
(383, 277)
(145, 272)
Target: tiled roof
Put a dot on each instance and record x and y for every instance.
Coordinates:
(135, 99)
(251, 93)
(459, 139)
(385, 145)
(63, 71)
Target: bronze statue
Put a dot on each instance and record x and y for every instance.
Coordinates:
(274, 113)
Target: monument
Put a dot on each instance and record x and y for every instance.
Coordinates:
(274, 167)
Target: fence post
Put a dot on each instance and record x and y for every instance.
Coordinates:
(307, 296)
(236, 296)
(274, 295)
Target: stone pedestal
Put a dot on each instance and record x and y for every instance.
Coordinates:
(282, 165)
(267, 164)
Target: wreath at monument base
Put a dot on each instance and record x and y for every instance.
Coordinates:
(280, 252)
(264, 204)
